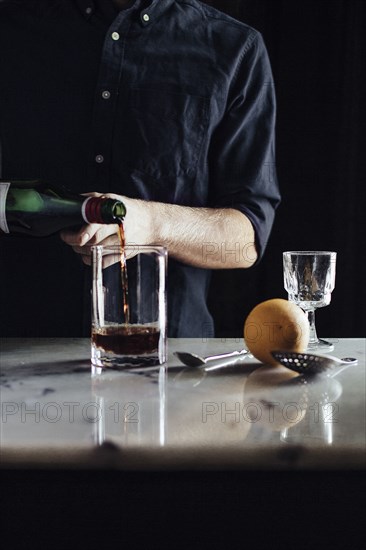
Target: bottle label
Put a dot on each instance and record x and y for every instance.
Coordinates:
(4, 188)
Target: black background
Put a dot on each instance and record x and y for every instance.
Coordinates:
(317, 52)
(214, 510)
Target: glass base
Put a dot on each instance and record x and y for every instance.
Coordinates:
(107, 360)
(320, 345)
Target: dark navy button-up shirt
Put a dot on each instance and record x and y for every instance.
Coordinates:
(167, 100)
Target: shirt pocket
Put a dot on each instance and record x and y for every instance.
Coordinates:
(165, 131)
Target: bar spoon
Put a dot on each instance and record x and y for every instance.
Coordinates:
(194, 360)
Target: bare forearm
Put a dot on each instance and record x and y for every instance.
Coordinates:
(209, 238)
(203, 237)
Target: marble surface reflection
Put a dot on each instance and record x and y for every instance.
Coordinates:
(57, 411)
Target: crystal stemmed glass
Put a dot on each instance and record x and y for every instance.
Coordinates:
(309, 278)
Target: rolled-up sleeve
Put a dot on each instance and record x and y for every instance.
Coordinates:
(242, 157)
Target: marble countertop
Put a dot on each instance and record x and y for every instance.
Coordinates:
(57, 413)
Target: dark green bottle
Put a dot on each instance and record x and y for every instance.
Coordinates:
(37, 209)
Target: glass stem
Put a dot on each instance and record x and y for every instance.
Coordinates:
(313, 335)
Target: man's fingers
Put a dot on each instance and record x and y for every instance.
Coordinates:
(79, 237)
(90, 234)
(86, 260)
(104, 234)
(85, 250)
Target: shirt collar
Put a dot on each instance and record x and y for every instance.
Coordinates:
(150, 10)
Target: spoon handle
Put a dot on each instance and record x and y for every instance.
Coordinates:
(223, 355)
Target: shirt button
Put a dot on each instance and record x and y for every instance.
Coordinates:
(115, 36)
(106, 94)
(99, 159)
(145, 17)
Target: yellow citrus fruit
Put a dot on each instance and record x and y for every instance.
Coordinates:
(273, 325)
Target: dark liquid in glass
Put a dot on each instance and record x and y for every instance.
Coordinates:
(127, 339)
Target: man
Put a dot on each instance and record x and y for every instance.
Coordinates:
(168, 104)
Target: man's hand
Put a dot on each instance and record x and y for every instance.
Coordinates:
(137, 230)
(89, 235)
